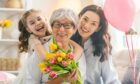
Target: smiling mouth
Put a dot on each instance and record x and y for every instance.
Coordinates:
(40, 29)
(84, 30)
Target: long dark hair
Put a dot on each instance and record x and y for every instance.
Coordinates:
(24, 34)
(102, 46)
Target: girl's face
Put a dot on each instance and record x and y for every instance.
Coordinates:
(88, 24)
(63, 29)
(37, 24)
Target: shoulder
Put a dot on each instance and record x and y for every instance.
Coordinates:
(76, 46)
(77, 49)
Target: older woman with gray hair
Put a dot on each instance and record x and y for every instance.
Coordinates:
(64, 24)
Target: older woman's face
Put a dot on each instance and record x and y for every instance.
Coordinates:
(63, 29)
(89, 23)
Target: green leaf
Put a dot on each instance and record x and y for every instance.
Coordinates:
(69, 68)
(69, 50)
(56, 68)
(62, 72)
(74, 64)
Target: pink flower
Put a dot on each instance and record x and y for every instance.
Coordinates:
(64, 63)
(53, 61)
(53, 74)
(70, 56)
(48, 69)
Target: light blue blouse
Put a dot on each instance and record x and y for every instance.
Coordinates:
(98, 72)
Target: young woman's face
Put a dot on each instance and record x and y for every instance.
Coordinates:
(37, 24)
(88, 24)
(63, 29)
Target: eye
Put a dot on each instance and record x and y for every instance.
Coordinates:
(67, 26)
(57, 25)
(32, 22)
(94, 24)
(85, 19)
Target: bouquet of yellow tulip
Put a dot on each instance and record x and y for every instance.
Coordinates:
(5, 23)
(59, 62)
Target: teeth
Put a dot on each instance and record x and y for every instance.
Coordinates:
(84, 30)
(39, 28)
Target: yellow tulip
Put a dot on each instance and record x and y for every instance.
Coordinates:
(59, 59)
(42, 65)
(48, 56)
(68, 61)
(53, 55)
(63, 55)
(43, 70)
(6, 24)
(53, 47)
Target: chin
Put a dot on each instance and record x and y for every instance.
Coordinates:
(41, 35)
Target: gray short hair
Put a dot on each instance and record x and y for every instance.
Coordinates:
(64, 13)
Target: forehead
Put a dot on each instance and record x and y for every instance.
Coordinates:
(92, 16)
(63, 20)
(34, 15)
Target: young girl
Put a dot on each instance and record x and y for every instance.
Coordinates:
(32, 22)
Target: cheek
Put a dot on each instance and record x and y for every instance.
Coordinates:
(81, 24)
(72, 32)
(54, 32)
(31, 28)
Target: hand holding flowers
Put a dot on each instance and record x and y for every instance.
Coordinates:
(60, 63)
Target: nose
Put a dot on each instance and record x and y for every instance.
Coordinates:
(87, 25)
(37, 22)
(62, 28)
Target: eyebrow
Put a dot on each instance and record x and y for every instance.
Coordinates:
(62, 23)
(92, 21)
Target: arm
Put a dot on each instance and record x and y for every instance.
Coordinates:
(80, 57)
(82, 66)
(109, 74)
(36, 45)
(78, 50)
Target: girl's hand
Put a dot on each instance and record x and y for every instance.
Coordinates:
(44, 39)
(33, 40)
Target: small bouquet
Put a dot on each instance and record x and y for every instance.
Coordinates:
(59, 62)
(5, 23)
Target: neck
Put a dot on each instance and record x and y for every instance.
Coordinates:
(84, 40)
(64, 45)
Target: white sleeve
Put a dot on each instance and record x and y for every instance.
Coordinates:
(108, 72)
(82, 66)
(30, 73)
(33, 71)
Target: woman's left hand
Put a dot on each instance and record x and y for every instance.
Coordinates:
(73, 76)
